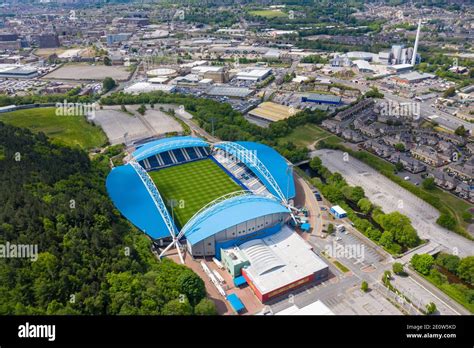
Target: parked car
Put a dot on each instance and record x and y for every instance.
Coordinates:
(318, 196)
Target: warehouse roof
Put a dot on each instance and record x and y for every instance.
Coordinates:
(240, 92)
(271, 111)
(144, 87)
(315, 308)
(329, 98)
(297, 259)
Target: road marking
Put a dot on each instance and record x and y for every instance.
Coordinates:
(455, 311)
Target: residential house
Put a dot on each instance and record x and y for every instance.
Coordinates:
(427, 154)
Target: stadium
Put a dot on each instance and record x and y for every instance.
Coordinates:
(207, 199)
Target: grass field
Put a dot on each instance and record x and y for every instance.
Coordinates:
(192, 185)
(268, 13)
(308, 134)
(67, 130)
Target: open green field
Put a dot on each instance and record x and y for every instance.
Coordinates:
(192, 185)
(308, 134)
(268, 13)
(67, 130)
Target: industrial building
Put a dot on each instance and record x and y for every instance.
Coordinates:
(272, 112)
(17, 71)
(50, 40)
(231, 92)
(338, 212)
(322, 99)
(215, 73)
(145, 87)
(315, 308)
(412, 77)
(280, 263)
(117, 38)
(254, 74)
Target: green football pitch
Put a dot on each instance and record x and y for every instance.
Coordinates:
(67, 130)
(190, 186)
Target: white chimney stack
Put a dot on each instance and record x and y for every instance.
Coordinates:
(415, 49)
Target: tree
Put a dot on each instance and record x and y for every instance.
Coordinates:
(374, 93)
(399, 166)
(450, 92)
(353, 193)
(397, 268)
(107, 61)
(386, 239)
(177, 307)
(364, 205)
(315, 163)
(191, 285)
(108, 84)
(422, 263)
(364, 286)
(461, 131)
(447, 221)
(430, 308)
(332, 193)
(386, 277)
(466, 269)
(428, 183)
(330, 228)
(399, 147)
(205, 307)
(448, 261)
(400, 227)
(141, 110)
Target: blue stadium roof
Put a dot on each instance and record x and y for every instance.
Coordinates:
(275, 163)
(229, 213)
(131, 197)
(133, 200)
(166, 144)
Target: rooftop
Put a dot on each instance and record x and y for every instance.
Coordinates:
(280, 259)
(271, 111)
(240, 92)
(315, 308)
(143, 87)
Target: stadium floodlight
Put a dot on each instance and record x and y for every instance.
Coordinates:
(160, 205)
